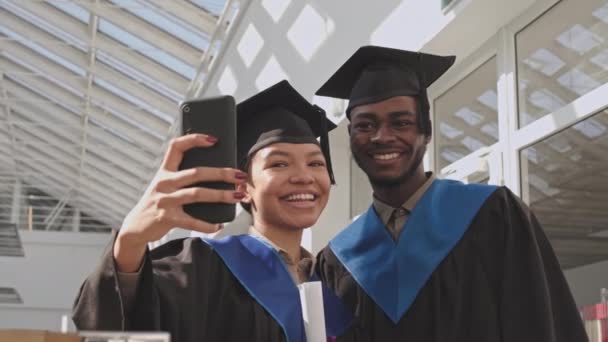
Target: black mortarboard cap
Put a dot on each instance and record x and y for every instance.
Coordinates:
(281, 114)
(374, 74)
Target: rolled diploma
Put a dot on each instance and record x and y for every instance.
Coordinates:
(311, 296)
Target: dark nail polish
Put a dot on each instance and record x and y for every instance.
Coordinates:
(241, 175)
(239, 195)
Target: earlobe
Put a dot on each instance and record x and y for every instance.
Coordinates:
(243, 188)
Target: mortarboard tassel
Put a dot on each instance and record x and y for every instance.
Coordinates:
(324, 142)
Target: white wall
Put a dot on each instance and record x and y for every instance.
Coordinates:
(586, 282)
(48, 277)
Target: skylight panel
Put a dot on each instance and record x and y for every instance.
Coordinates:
(139, 76)
(67, 106)
(578, 82)
(490, 129)
(137, 124)
(472, 144)
(110, 130)
(44, 52)
(43, 73)
(579, 39)
(490, 99)
(591, 128)
(532, 155)
(72, 9)
(559, 144)
(451, 155)
(470, 117)
(136, 101)
(167, 23)
(146, 49)
(215, 7)
(449, 131)
(44, 25)
(546, 100)
(602, 13)
(544, 61)
(601, 59)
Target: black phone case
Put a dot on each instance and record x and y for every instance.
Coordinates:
(214, 116)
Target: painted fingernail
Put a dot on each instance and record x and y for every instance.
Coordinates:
(220, 227)
(241, 175)
(239, 195)
(211, 139)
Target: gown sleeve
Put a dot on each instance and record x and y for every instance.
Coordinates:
(99, 305)
(173, 277)
(533, 298)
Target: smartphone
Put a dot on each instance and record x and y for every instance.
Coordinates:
(214, 116)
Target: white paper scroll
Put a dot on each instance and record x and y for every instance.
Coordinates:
(311, 296)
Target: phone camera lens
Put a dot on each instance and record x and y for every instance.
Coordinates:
(186, 109)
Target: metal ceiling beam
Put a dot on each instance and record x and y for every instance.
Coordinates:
(41, 152)
(88, 63)
(120, 151)
(21, 54)
(140, 137)
(147, 32)
(66, 23)
(7, 115)
(111, 201)
(91, 56)
(68, 172)
(189, 13)
(109, 215)
(60, 153)
(52, 216)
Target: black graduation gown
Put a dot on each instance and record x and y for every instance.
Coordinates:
(187, 289)
(500, 281)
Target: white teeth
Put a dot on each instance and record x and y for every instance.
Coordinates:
(387, 156)
(300, 197)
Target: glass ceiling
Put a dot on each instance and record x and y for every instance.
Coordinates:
(89, 95)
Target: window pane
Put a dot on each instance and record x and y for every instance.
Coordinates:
(561, 56)
(565, 179)
(466, 116)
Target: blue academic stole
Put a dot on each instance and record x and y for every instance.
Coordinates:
(393, 272)
(260, 270)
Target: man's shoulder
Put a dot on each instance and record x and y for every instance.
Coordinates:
(495, 193)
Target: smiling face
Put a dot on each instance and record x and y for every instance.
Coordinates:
(386, 141)
(289, 185)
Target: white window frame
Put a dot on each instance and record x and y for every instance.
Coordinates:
(501, 161)
(479, 164)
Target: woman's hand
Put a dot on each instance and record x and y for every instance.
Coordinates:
(160, 209)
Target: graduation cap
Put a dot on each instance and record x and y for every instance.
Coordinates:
(281, 114)
(373, 74)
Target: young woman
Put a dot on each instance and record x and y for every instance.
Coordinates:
(241, 288)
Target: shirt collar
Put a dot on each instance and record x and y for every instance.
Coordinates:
(304, 254)
(385, 211)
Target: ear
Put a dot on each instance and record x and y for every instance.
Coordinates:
(244, 188)
(427, 139)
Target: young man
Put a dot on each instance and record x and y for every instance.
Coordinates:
(434, 260)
